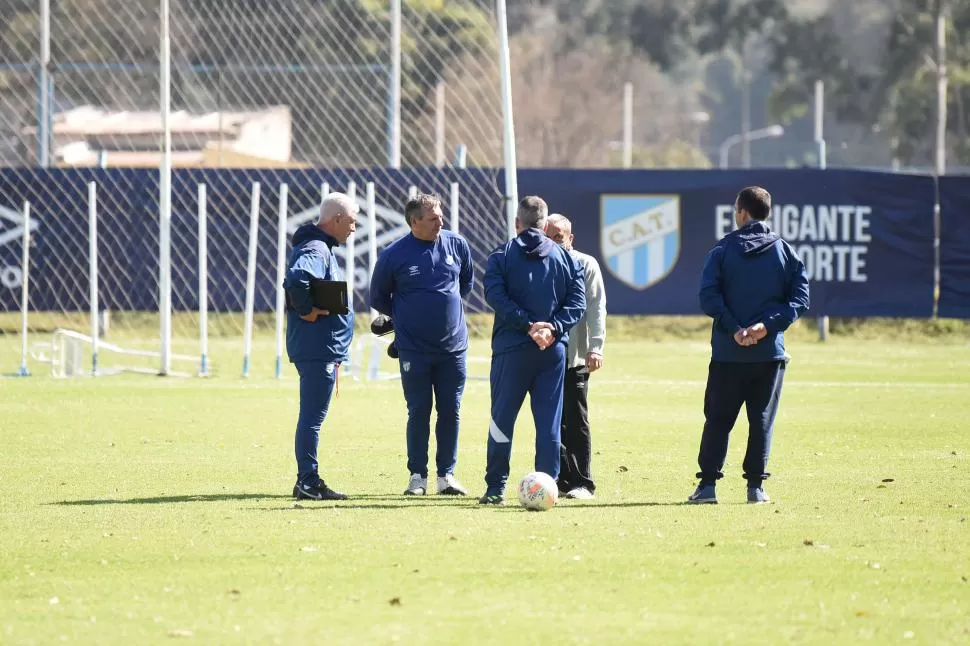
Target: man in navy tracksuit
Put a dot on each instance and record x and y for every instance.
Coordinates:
(419, 282)
(538, 293)
(754, 287)
(316, 341)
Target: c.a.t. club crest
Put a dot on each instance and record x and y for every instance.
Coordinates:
(640, 237)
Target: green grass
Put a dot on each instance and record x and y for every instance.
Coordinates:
(151, 509)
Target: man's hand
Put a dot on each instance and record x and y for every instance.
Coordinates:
(540, 326)
(750, 335)
(543, 338)
(541, 333)
(314, 313)
(742, 338)
(757, 331)
(594, 361)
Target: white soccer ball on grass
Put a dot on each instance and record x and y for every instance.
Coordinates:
(538, 491)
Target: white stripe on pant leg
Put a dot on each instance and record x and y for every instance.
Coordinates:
(496, 433)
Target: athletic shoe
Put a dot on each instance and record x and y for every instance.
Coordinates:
(448, 485)
(704, 495)
(316, 491)
(757, 496)
(580, 493)
(417, 485)
(491, 499)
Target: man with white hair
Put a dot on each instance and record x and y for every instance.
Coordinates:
(317, 342)
(537, 291)
(584, 356)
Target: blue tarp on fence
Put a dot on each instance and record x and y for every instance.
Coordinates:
(866, 238)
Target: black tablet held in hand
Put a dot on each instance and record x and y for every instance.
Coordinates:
(330, 295)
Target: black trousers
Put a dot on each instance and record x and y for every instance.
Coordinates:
(729, 385)
(576, 450)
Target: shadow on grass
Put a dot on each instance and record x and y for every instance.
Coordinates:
(360, 502)
(158, 500)
(380, 502)
(590, 505)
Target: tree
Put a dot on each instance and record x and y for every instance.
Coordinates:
(327, 59)
(887, 86)
(569, 97)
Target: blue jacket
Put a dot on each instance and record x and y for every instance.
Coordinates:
(420, 284)
(752, 276)
(327, 339)
(530, 280)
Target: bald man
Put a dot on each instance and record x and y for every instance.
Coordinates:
(584, 356)
(317, 342)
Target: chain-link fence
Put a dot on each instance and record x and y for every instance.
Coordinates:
(276, 85)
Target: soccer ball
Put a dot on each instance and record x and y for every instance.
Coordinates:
(538, 491)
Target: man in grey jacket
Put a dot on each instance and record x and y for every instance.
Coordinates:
(584, 355)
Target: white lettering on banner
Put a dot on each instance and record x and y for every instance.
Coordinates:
(862, 223)
(11, 275)
(838, 237)
(724, 222)
(643, 227)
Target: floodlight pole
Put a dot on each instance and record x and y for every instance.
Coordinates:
(511, 181)
(44, 79)
(394, 145)
(165, 198)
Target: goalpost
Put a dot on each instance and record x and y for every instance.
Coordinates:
(71, 353)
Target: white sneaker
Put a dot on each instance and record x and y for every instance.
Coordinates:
(448, 485)
(417, 485)
(580, 493)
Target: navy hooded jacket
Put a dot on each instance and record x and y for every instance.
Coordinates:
(420, 284)
(529, 280)
(328, 338)
(752, 276)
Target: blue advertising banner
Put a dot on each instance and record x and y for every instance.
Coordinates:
(128, 225)
(954, 247)
(866, 238)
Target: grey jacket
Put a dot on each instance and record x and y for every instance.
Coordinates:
(589, 335)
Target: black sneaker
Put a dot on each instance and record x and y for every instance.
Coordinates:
(316, 491)
(491, 499)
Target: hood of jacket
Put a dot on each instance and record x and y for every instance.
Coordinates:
(755, 237)
(535, 243)
(312, 232)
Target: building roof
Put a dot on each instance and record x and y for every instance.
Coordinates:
(91, 121)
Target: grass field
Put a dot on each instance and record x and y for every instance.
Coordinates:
(140, 510)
